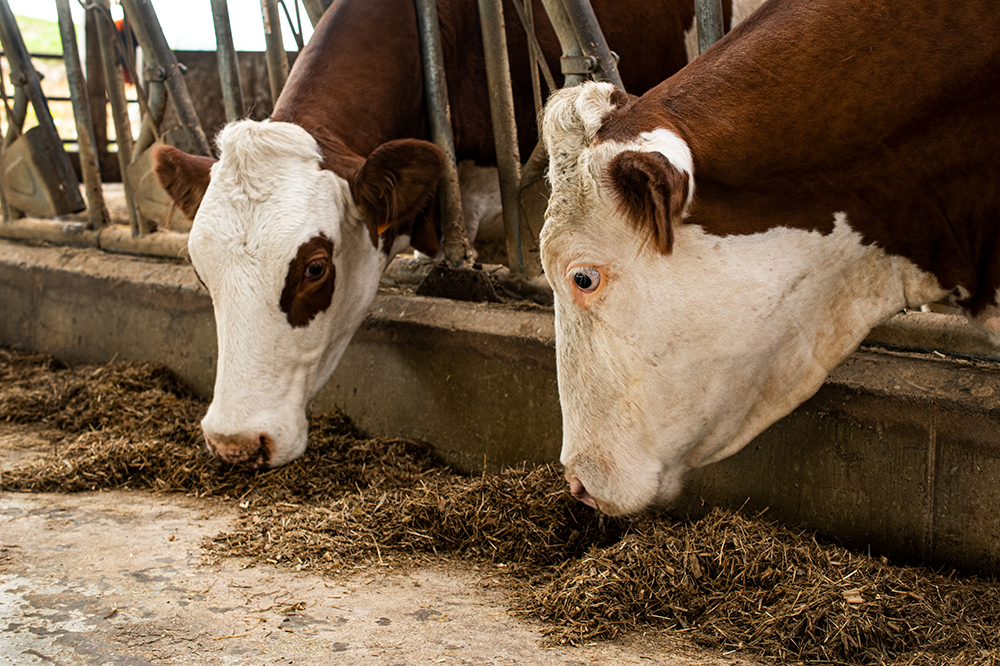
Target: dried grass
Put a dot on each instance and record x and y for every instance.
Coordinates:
(352, 502)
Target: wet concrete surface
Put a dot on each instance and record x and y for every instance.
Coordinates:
(121, 578)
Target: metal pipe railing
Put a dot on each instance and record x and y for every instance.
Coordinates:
(504, 125)
(455, 242)
(115, 87)
(20, 62)
(143, 20)
(709, 14)
(97, 210)
(229, 65)
(591, 39)
(277, 59)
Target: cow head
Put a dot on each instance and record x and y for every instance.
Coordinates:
(291, 254)
(675, 347)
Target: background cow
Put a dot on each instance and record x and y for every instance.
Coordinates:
(296, 221)
(718, 245)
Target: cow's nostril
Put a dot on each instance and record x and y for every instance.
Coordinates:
(247, 451)
(578, 491)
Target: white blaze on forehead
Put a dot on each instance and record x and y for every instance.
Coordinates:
(267, 196)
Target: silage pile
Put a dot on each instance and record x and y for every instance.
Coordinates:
(354, 502)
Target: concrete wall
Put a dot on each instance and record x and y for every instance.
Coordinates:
(897, 452)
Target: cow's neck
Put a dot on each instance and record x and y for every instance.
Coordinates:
(795, 132)
(353, 90)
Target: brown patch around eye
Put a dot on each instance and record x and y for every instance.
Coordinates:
(308, 290)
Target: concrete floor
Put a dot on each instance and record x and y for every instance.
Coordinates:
(120, 578)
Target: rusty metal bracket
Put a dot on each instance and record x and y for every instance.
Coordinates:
(581, 65)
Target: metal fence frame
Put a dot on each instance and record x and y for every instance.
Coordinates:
(161, 83)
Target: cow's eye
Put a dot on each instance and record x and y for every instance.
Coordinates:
(587, 279)
(315, 270)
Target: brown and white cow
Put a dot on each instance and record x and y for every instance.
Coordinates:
(719, 244)
(295, 222)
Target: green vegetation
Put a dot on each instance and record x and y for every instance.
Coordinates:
(40, 36)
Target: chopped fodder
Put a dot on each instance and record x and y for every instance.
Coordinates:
(740, 583)
(351, 502)
(133, 426)
(520, 517)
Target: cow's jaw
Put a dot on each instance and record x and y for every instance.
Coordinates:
(275, 349)
(680, 360)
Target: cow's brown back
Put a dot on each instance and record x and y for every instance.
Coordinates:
(358, 82)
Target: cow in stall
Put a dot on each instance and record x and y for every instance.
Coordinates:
(296, 221)
(719, 244)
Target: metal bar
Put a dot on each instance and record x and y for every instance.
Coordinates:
(592, 41)
(112, 238)
(18, 57)
(97, 94)
(536, 57)
(4, 208)
(157, 51)
(277, 59)
(315, 9)
(568, 40)
(114, 84)
(709, 14)
(528, 20)
(97, 210)
(454, 238)
(295, 25)
(229, 65)
(156, 107)
(504, 126)
(15, 119)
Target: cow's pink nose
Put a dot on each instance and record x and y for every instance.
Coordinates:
(577, 490)
(252, 452)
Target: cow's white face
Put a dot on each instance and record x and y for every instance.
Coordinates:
(289, 259)
(672, 360)
(292, 271)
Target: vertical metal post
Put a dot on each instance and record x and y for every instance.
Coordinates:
(115, 85)
(709, 13)
(97, 211)
(277, 59)
(156, 50)
(528, 18)
(504, 127)
(97, 94)
(4, 208)
(455, 241)
(229, 65)
(20, 62)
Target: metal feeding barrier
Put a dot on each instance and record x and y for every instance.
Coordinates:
(41, 196)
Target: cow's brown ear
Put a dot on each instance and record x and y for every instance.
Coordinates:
(651, 192)
(396, 183)
(184, 177)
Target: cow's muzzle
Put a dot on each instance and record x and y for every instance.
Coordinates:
(578, 491)
(254, 452)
